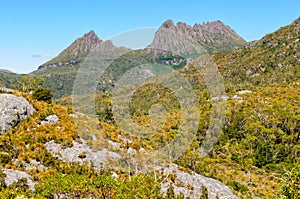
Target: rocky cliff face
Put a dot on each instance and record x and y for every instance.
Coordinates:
(76, 52)
(198, 39)
(13, 110)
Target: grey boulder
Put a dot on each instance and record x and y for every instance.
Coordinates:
(13, 110)
(51, 119)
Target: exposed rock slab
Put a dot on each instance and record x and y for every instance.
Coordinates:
(80, 152)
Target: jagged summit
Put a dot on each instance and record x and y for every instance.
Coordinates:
(185, 39)
(76, 52)
(168, 24)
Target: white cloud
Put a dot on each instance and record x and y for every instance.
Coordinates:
(42, 56)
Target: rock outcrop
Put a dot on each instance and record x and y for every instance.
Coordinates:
(13, 110)
(186, 182)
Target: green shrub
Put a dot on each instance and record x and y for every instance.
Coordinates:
(42, 94)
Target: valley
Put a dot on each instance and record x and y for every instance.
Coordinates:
(198, 113)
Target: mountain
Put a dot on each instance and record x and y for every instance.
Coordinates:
(198, 39)
(209, 37)
(76, 52)
(60, 72)
(169, 43)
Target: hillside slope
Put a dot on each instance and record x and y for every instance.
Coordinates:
(275, 59)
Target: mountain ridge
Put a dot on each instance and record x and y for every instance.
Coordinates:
(198, 39)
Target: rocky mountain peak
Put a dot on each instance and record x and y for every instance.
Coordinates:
(76, 52)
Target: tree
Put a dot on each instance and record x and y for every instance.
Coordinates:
(42, 94)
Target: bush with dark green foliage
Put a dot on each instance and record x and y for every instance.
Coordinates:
(42, 94)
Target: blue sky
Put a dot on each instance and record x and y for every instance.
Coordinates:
(34, 31)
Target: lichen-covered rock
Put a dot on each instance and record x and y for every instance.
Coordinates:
(13, 110)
